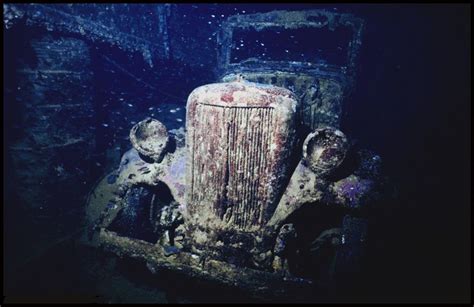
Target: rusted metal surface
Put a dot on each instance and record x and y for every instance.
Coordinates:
(239, 136)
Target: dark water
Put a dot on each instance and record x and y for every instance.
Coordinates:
(411, 105)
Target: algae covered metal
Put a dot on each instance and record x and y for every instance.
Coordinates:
(265, 179)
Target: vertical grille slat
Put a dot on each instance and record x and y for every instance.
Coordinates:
(232, 162)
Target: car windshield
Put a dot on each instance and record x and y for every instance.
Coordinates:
(307, 44)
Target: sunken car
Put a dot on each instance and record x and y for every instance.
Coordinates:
(262, 191)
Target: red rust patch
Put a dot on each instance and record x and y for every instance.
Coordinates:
(227, 97)
(277, 91)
